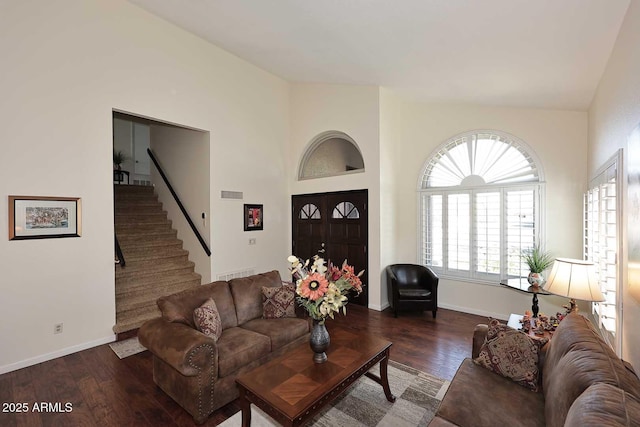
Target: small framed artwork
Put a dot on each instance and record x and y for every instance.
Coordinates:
(43, 217)
(253, 219)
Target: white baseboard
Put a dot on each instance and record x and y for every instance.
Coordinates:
(378, 307)
(54, 355)
(500, 316)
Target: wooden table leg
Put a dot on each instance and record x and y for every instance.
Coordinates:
(383, 379)
(245, 405)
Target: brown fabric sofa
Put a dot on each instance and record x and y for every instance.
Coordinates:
(583, 382)
(198, 373)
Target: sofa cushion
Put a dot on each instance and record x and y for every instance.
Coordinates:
(179, 307)
(280, 331)
(512, 354)
(278, 301)
(604, 405)
(207, 319)
(475, 389)
(247, 294)
(577, 358)
(238, 347)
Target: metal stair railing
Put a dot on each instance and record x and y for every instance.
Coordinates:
(180, 205)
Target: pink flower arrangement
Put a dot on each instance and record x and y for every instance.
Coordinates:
(323, 291)
(313, 287)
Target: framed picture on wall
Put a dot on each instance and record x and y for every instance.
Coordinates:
(32, 217)
(253, 217)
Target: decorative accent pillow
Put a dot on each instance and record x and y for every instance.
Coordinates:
(278, 301)
(512, 354)
(207, 319)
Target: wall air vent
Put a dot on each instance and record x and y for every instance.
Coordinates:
(236, 274)
(231, 195)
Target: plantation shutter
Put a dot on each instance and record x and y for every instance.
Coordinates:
(520, 207)
(601, 245)
(458, 236)
(488, 239)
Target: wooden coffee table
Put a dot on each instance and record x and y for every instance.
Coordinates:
(292, 388)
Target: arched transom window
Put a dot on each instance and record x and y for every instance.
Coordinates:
(309, 211)
(345, 210)
(480, 206)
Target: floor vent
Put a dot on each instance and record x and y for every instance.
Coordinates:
(236, 274)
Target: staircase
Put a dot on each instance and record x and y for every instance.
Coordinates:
(156, 263)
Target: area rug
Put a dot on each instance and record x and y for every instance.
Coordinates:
(126, 348)
(418, 395)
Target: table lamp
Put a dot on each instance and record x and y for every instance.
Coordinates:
(575, 279)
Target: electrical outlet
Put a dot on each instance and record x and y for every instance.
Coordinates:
(252, 241)
(57, 328)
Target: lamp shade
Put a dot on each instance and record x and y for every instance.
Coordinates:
(574, 278)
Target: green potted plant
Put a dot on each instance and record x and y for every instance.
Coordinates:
(118, 159)
(538, 261)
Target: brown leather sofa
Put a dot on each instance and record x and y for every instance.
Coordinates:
(199, 373)
(583, 382)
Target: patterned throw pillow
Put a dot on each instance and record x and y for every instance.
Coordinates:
(512, 354)
(207, 319)
(278, 301)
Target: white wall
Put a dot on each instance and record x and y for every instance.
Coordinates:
(412, 131)
(354, 110)
(184, 157)
(123, 141)
(613, 114)
(65, 66)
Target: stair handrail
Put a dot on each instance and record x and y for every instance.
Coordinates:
(119, 254)
(180, 205)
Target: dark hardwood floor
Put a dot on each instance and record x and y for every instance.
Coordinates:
(95, 388)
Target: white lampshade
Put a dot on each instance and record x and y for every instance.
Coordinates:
(574, 278)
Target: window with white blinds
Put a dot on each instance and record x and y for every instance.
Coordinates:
(602, 244)
(480, 205)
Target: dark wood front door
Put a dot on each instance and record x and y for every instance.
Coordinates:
(333, 226)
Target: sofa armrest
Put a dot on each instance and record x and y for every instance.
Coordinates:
(479, 335)
(185, 349)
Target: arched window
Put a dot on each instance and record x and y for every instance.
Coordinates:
(345, 210)
(309, 211)
(480, 206)
(331, 153)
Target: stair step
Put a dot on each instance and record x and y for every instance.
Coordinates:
(125, 323)
(146, 208)
(125, 276)
(150, 236)
(141, 218)
(142, 228)
(153, 258)
(146, 268)
(151, 248)
(146, 296)
(133, 245)
(128, 189)
(140, 310)
(136, 284)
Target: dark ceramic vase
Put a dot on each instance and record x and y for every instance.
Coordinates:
(319, 342)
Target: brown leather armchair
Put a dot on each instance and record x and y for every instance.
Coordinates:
(412, 287)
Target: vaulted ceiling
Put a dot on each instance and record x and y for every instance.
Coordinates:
(519, 53)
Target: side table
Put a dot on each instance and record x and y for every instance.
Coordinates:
(118, 176)
(521, 284)
(515, 323)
